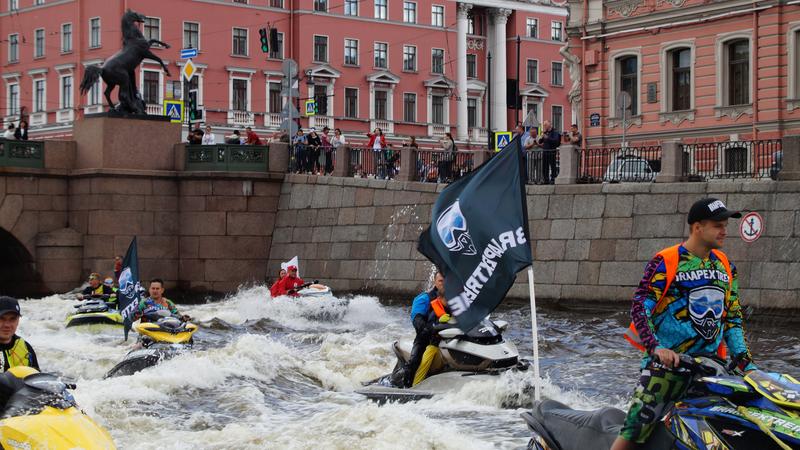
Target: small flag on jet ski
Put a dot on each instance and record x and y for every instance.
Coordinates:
(129, 287)
(479, 236)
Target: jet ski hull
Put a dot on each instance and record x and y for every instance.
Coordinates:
(98, 318)
(140, 359)
(54, 429)
(315, 290)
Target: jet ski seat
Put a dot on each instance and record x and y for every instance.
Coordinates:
(566, 428)
(171, 324)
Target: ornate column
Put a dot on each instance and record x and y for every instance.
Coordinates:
(462, 128)
(500, 108)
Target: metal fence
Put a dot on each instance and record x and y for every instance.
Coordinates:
(541, 166)
(439, 166)
(367, 162)
(738, 159)
(14, 153)
(619, 164)
(309, 159)
(249, 158)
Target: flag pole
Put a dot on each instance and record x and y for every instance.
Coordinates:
(537, 385)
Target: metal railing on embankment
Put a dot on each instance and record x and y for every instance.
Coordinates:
(14, 153)
(304, 158)
(367, 162)
(736, 159)
(617, 164)
(227, 157)
(439, 166)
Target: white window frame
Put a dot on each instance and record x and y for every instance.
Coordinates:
(476, 65)
(354, 3)
(416, 58)
(271, 81)
(246, 41)
(16, 48)
(12, 110)
(552, 122)
(283, 44)
(443, 16)
(99, 42)
(666, 74)
(527, 27)
(199, 33)
(358, 45)
(561, 30)
(416, 106)
(444, 60)
(314, 6)
(160, 84)
(61, 103)
(232, 77)
(13, 5)
(385, 9)
(159, 27)
(614, 73)
(536, 81)
(445, 108)
(407, 10)
(36, 53)
(36, 79)
(793, 69)
(64, 40)
(552, 63)
(721, 50)
(344, 103)
(314, 48)
(374, 50)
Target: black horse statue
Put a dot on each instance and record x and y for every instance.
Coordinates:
(119, 69)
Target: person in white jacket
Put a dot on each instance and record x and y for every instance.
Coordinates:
(208, 137)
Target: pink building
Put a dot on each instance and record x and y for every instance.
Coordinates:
(409, 67)
(695, 70)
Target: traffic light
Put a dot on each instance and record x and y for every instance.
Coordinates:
(191, 106)
(264, 40)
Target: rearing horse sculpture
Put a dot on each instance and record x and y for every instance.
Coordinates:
(118, 70)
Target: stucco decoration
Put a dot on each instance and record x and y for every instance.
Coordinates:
(475, 44)
(674, 2)
(734, 112)
(614, 122)
(623, 7)
(676, 117)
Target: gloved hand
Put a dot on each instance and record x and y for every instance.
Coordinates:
(445, 318)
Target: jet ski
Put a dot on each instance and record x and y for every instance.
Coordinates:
(160, 339)
(477, 355)
(314, 290)
(94, 311)
(722, 410)
(38, 412)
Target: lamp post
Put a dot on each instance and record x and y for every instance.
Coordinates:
(489, 133)
(516, 90)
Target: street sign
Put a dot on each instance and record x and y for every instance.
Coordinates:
(286, 92)
(187, 53)
(501, 139)
(289, 127)
(594, 120)
(311, 108)
(174, 110)
(290, 108)
(624, 105)
(531, 121)
(188, 70)
(289, 68)
(751, 226)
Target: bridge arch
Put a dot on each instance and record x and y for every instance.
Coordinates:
(18, 274)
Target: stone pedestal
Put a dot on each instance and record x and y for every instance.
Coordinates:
(342, 165)
(407, 158)
(125, 143)
(278, 155)
(671, 162)
(568, 156)
(791, 158)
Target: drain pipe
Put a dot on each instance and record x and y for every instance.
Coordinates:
(754, 71)
(584, 79)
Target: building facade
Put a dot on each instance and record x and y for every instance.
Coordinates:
(415, 68)
(693, 70)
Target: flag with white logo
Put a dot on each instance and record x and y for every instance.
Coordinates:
(479, 236)
(129, 287)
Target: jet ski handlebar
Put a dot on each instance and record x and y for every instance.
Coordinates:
(706, 365)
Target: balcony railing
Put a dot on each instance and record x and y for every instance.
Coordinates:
(273, 120)
(310, 160)
(387, 126)
(38, 118)
(438, 130)
(439, 166)
(15, 153)
(366, 162)
(241, 118)
(65, 115)
(614, 165)
(320, 122)
(738, 159)
(233, 158)
(93, 109)
(154, 110)
(479, 134)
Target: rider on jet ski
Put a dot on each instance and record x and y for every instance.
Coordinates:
(96, 288)
(156, 302)
(14, 351)
(287, 285)
(428, 309)
(687, 302)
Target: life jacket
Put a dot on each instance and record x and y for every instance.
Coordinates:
(17, 355)
(671, 257)
(438, 307)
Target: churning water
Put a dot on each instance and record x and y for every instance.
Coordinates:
(280, 373)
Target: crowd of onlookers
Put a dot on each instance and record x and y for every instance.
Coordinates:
(18, 132)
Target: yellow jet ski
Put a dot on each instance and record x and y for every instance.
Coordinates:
(40, 413)
(94, 311)
(160, 338)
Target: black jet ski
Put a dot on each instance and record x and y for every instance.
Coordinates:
(95, 311)
(722, 410)
(477, 355)
(160, 339)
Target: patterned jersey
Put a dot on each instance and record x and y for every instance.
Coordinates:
(695, 314)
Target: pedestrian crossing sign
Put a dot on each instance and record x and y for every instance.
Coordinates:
(174, 110)
(311, 108)
(501, 139)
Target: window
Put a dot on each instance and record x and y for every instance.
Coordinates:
(66, 92)
(66, 38)
(409, 58)
(351, 52)
(381, 50)
(555, 31)
(472, 113)
(276, 52)
(532, 71)
(321, 98)
(557, 119)
(13, 5)
(351, 102)
(94, 32)
(152, 28)
(38, 49)
(13, 99)
(174, 88)
(437, 109)
(350, 7)
(239, 94)
(321, 5)
(320, 48)
(191, 35)
(275, 99)
(381, 9)
(381, 103)
(437, 15)
(470, 23)
(276, 3)
(629, 80)
(681, 60)
(13, 48)
(532, 106)
(39, 96)
(410, 107)
(150, 91)
(437, 61)
(94, 94)
(557, 77)
(240, 1)
(532, 25)
(240, 41)
(738, 53)
(409, 12)
(38, 2)
(472, 66)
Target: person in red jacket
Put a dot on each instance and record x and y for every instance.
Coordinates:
(287, 285)
(377, 142)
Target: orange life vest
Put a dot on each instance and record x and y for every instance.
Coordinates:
(438, 307)
(671, 256)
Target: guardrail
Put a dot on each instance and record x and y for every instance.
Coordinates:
(367, 162)
(14, 153)
(619, 164)
(737, 159)
(541, 166)
(318, 160)
(439, 166)
(226, 157)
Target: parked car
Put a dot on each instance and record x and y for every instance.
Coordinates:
(629, 168)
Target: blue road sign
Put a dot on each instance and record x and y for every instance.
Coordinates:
(501, 139)
(174, 110)
(187, 53)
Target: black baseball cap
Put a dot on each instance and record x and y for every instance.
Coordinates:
(9, 304)
(710, 209)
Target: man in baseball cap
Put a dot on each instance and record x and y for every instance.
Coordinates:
(288, 285)
(710, 209)
(14, 351)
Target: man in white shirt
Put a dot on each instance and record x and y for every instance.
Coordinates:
(208, 137)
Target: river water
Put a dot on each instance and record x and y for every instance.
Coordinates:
(280, 373)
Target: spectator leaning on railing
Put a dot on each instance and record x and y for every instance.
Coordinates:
(208, 137)
(574, 136)
(21, 133)
(9, 133)
(252, 137)
(234, 138)
(550, 140)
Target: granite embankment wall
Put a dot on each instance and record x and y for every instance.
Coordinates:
(590, 242)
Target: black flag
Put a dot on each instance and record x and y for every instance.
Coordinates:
(129, 287)
(479, 236)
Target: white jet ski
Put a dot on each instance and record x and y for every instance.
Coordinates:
(478, 355)
(315, 290)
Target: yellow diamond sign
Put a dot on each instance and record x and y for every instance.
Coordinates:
(189, 70)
